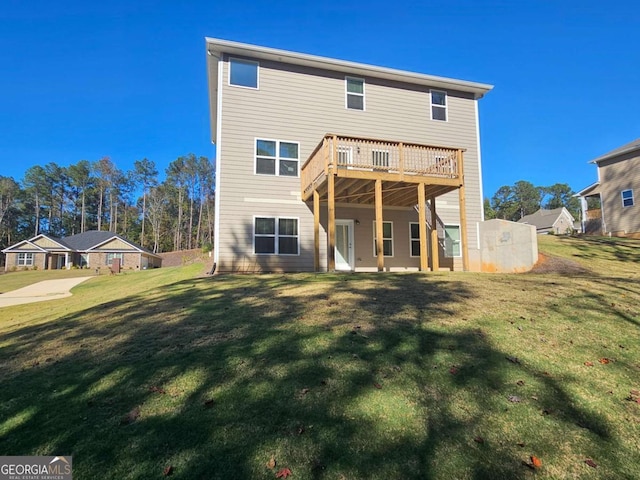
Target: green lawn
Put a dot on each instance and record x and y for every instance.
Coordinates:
(372, 376)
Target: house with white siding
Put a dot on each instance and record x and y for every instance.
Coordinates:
(325, 164)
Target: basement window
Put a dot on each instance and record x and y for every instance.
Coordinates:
(276, 236)
(414, 234)
(387, 239)
(452, 241)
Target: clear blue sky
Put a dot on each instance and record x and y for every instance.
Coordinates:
(127, 79)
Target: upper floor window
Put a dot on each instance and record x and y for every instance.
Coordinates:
(243, 73)
(627, 198)
(354, 89)
(275, 157)
(438, 105)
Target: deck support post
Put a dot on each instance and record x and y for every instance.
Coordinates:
(331, 221)
(379, 225)
(316, 230)
(435, 254)
(463, 214)
(422, 225)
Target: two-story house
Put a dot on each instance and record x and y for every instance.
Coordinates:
(325, 164)
(616, 210)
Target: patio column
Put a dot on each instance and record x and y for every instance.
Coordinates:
(435, 254)
(66, 260)
(331, 221)
(316, 230)
(463, 215)
(379, 235)
(422, 225)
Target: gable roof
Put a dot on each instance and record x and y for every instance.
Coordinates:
(81, 242)
(35, 246)
(544, 218)
(16, 245)
(593, 189)
(627, 148)
(94, 238)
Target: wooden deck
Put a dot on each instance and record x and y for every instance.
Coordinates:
(355, 162)
(359, 170)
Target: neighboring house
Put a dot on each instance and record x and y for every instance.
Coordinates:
(324, 164)
(617, 187)
(92, 249)
(557, 221)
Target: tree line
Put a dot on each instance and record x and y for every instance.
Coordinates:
(173, 214)
(512, 202)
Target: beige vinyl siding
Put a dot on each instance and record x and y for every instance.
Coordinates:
(45, 242)
(302, 104)
(115, 244)
(26, 247)
(616, 175)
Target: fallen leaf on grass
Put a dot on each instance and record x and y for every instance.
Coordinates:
(604, 360)
(284, 473)
(453, 370)
(130, 417)
(520, 444)
(520, 383)
(534, 463)
(377, 385)
(208, 403)
(304, 391)
(513, 359)
(588, 364)
(514, 399)
(591, 463)
(271, 464)
(168, 471)
(478, 440)
(155, 389)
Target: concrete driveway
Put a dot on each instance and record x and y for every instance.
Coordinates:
(41, 291)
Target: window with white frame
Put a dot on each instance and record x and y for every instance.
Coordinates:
(354, 90)
(438, 105)
(243, 73)
(380, 158)
(345, 155)
(25, 259)
(111, 256)
(276, 236)
(627, 198)
(387, 239)
(414, 239)
(275, 157)
(452, 241)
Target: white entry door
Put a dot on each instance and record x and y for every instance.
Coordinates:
(344, 245)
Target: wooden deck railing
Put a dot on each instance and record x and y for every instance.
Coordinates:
(365, 154)
(593, 214)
